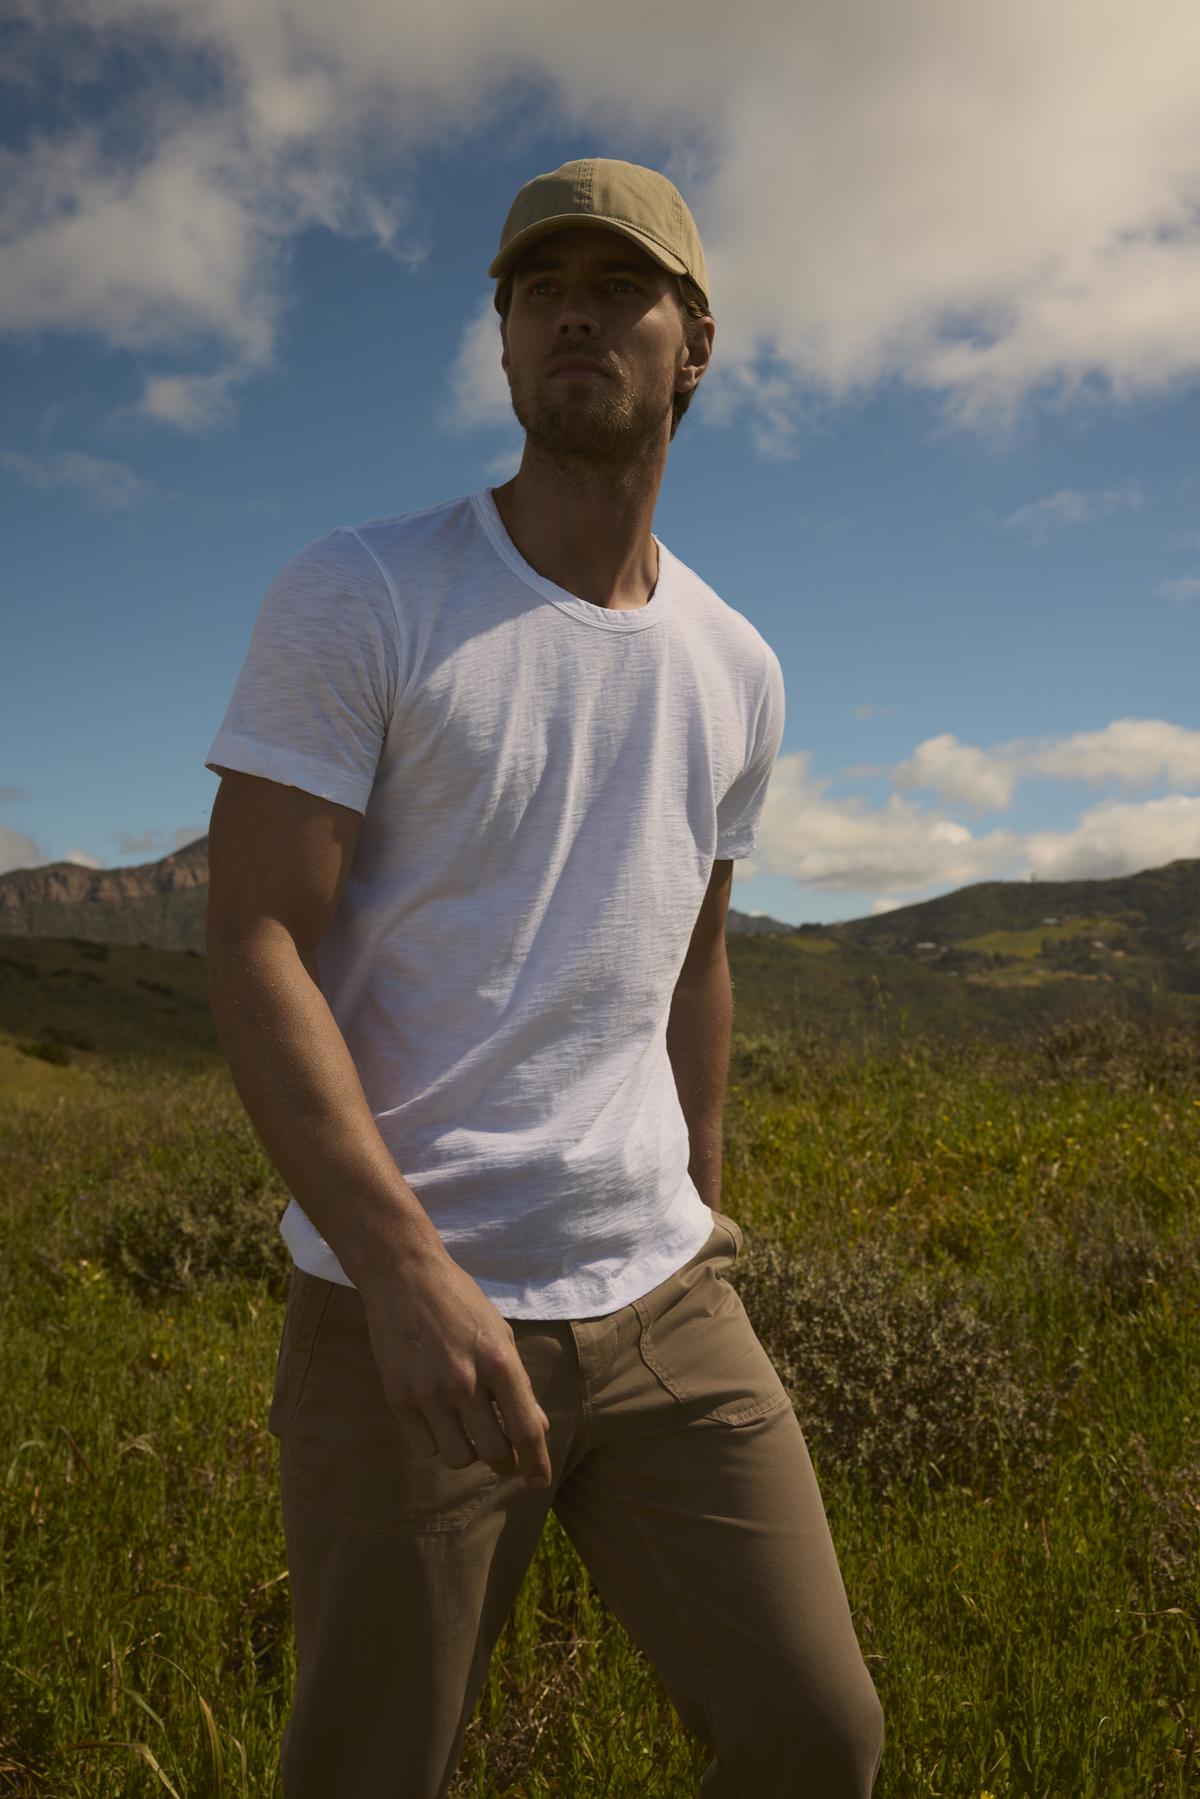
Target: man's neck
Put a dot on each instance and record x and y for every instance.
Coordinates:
(588, 532)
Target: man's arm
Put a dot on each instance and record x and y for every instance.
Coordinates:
(278, 860)
(699, 1031)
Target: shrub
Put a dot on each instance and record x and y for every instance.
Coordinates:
(45, 1051)
(1126, 1053)
(1158, 1523)
(1119, 1260)
(173, 1242)
(894, 1371)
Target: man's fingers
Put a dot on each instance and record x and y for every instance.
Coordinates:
(484, 1426)
(453, 1444)
(416, 1429)
(526, 1425)
(479, 1432)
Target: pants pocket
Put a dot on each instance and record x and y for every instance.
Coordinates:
(307, 1298)
(346, 1455)
(697, 1340)
(731, 1226)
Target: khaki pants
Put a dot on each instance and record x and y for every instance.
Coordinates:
(681, 1476)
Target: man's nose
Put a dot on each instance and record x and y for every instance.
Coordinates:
(578, 309)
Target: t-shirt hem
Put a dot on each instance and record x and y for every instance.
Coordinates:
(637, 1279)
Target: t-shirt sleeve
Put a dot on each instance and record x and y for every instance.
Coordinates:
(311, 703)
(740, 811)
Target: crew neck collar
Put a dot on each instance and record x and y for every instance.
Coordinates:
(603, 618)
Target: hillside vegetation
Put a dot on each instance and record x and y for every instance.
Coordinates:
(90, 958)
(973, 1256)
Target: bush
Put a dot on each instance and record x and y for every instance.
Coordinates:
(1128, 1054)
(780, 1062)
(46, 1051)
(1118, 1258)
(160, 1242)
(895, 1372)
(1158, 1522)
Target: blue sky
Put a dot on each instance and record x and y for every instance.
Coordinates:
(946, 459)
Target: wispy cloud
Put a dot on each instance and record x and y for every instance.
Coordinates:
(196, 403)
(1067, 507)
(477, 386)
(106, 485)
(18, 850)
(1181, 588)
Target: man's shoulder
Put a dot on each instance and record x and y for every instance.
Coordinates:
(391, 531)
(727, 622)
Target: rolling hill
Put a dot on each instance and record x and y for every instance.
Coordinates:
(110, 962)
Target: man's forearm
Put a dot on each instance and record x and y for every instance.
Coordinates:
(699, 1031)
(294, 1075)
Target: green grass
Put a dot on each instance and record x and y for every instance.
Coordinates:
(977, 1267)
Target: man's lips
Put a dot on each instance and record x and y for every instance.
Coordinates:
(579, 369)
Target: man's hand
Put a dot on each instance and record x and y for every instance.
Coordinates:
(450, 1369)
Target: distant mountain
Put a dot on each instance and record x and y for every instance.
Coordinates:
(989, 957)
(753, 924)
(1140, 930)
(110, 962)
(161, 904)
(1163, 901)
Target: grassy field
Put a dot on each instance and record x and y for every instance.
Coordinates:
(977, 1267)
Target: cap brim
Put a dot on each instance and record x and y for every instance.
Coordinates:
(501, 264)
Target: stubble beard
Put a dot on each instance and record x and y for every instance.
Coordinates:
(599, 423)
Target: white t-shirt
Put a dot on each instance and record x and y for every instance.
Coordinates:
(545, 784)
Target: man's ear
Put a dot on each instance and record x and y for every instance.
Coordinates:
(698, 343)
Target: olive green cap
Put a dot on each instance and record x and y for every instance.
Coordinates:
(600, 190)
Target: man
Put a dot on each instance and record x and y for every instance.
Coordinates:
(486, 770)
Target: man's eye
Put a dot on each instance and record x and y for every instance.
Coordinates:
(615, 280)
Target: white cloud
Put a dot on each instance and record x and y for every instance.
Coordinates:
(1133, 752)
(500, 467)
(992, 204)
(193, 402)
(1069, 508)
(478, 386)
(852, 846)
(106, 484)
(959, 771)
(1181, 588)
(849, 846)
(19, 851)
(1116, 838)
